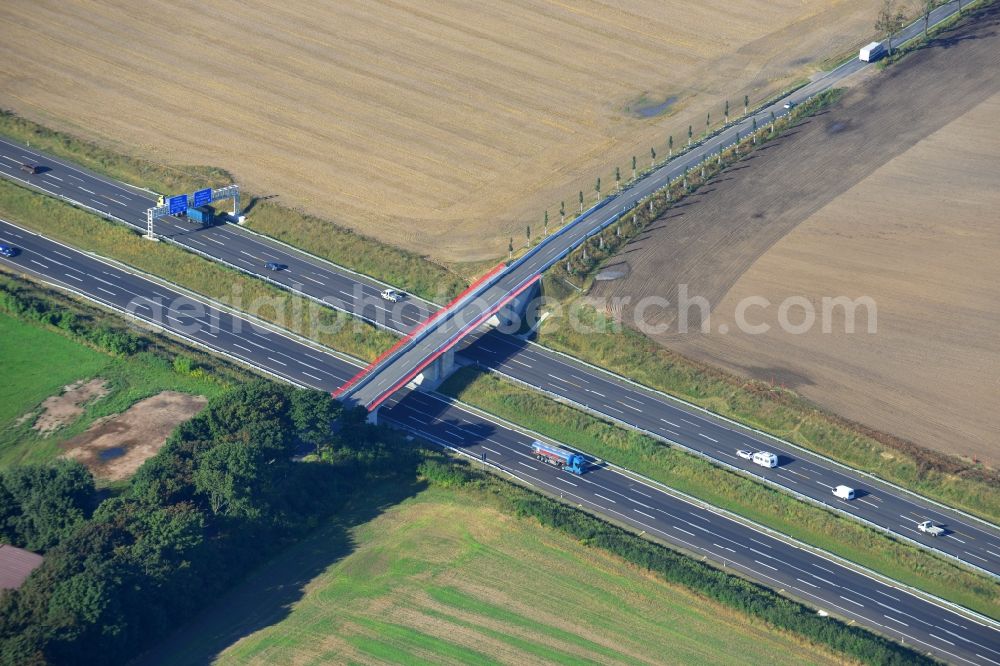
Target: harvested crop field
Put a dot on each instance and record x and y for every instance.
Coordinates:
(440, 125)
(444, 579)
(892, 194)
(114, 447)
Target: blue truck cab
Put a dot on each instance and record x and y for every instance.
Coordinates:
(553, 455)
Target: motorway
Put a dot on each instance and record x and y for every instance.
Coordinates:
(804, 474)
(819, 580)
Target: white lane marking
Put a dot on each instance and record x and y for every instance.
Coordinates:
(723, 547)
(848, 599)
(992, 553)
(868, 503)
(788, 478)
(951, 536)
(106, 291)
(313, 376)
(99, 203)
(642, 493)
(943, 640)
(696, 425)
(11, 159)
(38, 263)
(87, 191)
(73, 277)
(596, 393)
(486, 448)
(313, 280)
(889, 617)
(566, 481)
(605, 498)
(670, 423)
(681, 529)
(247, 349)
(209, 238)
(646, 514)
(807, 583)
(976, 556)
(514, 360)
(49, 175)
(708, 438)
(196, 242)
(766, 565)
(760, 542)
(527, 465)
(274, 360)
(625, 404)
(824, 580)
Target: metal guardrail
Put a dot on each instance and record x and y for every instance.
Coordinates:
(735, 517)
(747, 473)
(691, 407)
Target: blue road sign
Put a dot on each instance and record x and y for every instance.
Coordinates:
(202, 197)
(178, 204)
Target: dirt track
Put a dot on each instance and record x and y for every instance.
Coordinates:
(440, 125)
(892, 194)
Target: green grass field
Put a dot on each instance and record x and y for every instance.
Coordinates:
(38, 362)
(717, 486)
(443, 578)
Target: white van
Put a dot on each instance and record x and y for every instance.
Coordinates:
(765, 459)
(844, 492)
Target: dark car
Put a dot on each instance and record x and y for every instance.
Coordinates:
(31, 168)
(8, 251)
(275, 266)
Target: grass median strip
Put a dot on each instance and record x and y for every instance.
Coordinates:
(90, 232)
(360, 253)
(700, 478)
(967, 486)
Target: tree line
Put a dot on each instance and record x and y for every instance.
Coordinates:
(223, 494)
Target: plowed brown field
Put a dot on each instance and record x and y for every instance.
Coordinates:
(892, 194)
(440, 125)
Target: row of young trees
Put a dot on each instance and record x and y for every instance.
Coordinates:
(889, 21)
(222, 495)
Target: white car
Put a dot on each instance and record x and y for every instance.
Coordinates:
(790, 104)
(392, 295)
(844, 492)
(745, 454)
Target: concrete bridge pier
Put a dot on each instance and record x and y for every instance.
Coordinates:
(511, 317)
(439, 370)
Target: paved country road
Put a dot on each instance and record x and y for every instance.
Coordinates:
(395, 370)
(819, 580)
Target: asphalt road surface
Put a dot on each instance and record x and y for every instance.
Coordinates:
(814, 578)
(397, 368)
(615, 398)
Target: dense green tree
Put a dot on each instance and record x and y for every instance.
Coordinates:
(46, 502)
(313, 414)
